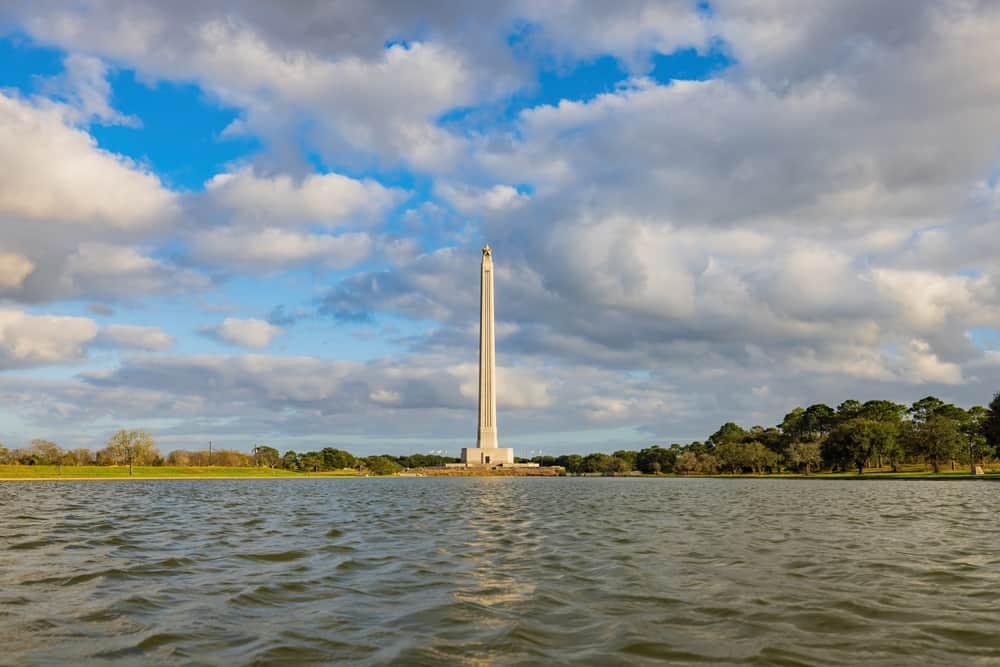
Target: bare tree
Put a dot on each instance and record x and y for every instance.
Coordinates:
(132, 447)
(46, 451)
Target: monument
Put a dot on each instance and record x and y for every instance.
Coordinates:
(486, 451)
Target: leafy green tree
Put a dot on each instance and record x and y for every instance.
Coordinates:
(991, 424)
(336, 459)
(817, 421)
(854, 443)
(923, 409)
(937, 439)
(381, 465)
(290, 460)
(849, 409)
(732, 456)
(266, 456)
(600, 463)
(573, 463)
(771, 437)
(972, 430)
(883, 411)
(760, 458)
(628, 456)
(655, 460)
(792, 426)
(311, 461)
(806, 456)
(687, 463)
(728, 432)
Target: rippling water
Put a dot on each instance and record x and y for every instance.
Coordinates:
(499, 571)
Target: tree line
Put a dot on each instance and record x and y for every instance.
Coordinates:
(137, 448)
(852, 436)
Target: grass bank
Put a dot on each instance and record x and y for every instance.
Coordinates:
(22, 472)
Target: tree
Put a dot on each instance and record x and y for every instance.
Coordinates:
(728, 432)
(311, 461)
(991, 424)
(335, 459)
(792, 425)
(855, 442)
(686, 463)
(654, 460)
(628, 456)
(381, 465)
(732, 456)
(937, 439)
(806, 455)
(972, 430)
(265, 456)
(883, 411)
(849, 409)
(573, 463)
(4, 454)
(132, 447)
(759, 458)
(923, 409)
(290, 460)
(82, 456)
(817, 421)
(46, 452)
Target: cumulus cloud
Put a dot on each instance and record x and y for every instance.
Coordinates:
(14, 268)
(249, 333)
(136, 337)
(52, 172)
(469, 199)
(326, 199)
(34, 340)
(85, 88)
(98, 269)
(271, 249)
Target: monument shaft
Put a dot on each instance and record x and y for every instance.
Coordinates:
(487, 357)
(486, 451)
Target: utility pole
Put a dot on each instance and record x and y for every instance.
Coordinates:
(209, 452)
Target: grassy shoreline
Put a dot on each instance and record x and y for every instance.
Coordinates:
(16, 473)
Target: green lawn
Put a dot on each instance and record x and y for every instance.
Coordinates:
(56, 472)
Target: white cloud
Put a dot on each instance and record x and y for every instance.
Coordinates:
(105, 269)
(925, 366)
(250, 333)
(14, 268)
(326, 199)
(136, 337)
(51, 172)
(30, 340)
(272, 249)
(469, 199)
(85, 88)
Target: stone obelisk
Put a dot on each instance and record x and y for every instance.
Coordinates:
(487, 438)
(486, 451)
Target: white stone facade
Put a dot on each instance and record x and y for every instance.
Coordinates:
(486, 451)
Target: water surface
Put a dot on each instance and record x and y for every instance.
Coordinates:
(504, 571)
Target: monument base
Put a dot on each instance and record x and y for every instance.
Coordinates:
(489, 456)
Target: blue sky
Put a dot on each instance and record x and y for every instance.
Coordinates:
(249, 225)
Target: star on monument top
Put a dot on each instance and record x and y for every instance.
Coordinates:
(487, 250)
